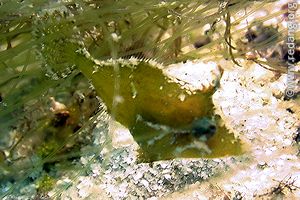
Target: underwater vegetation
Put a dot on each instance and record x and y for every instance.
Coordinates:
(77, 57)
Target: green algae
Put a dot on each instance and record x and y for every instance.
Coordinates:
(45, 183)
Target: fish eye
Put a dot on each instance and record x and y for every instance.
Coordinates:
(212, 128)
(203, 127)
